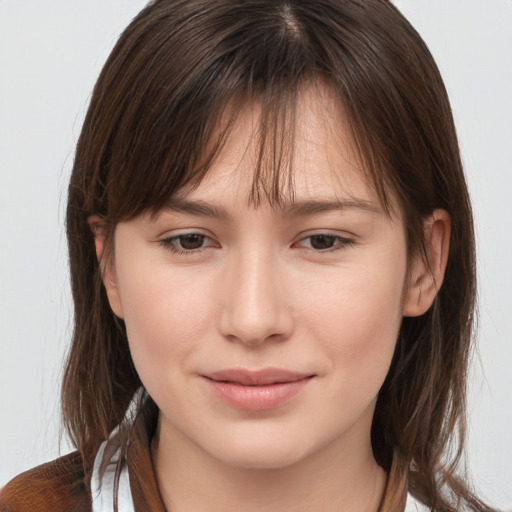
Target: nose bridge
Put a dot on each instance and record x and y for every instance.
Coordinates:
(255, 306)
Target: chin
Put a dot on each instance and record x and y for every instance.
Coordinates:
(260, 454)
(262, 461)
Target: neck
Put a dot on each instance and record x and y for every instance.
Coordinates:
(341, 476)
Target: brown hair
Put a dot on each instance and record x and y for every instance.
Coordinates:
(156, 108)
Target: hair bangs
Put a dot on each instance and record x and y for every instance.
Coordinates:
(167, 111)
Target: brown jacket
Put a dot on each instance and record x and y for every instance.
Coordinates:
(61, 485)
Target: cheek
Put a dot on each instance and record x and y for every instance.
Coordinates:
(165, 316)
(361, 314)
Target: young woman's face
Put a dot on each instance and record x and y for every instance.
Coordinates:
(264, 334)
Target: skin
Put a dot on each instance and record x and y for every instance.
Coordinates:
(257, 292)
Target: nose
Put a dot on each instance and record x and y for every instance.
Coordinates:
(256, 308)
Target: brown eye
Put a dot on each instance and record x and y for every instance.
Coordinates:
(322, 242)
(325, 242)
(190, 242)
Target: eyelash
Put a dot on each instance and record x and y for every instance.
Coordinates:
(341, 242)
(170, 243)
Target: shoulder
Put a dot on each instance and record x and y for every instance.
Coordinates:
(58, 486)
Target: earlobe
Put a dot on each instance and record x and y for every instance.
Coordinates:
(106, 264)
(427, 272)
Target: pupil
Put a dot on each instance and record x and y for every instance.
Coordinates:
(322, 242)
(191, 241)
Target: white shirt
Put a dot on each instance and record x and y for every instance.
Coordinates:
(413, 505)
(102, 486)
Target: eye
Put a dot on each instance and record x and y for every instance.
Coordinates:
(325, 242)
(187, 243)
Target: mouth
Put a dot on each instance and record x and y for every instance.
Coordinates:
(264, 377)
(258, 390)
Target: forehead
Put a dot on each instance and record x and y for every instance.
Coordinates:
(302, 152)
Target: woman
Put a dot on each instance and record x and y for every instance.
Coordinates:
(272, 263)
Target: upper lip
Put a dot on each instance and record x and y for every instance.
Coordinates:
(261, 377)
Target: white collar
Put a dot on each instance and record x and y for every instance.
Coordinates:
(107, 459)
(102, 486)
(413, 505)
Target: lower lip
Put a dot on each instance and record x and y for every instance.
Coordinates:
(257, 398)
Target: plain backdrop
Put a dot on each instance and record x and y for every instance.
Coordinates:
(50, 55)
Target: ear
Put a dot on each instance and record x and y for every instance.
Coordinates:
(105, 259)
(427, 272)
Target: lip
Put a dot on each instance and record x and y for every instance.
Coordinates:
(258, 390)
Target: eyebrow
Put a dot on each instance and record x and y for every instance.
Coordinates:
(311, 207)
(197, 207)
(302, 208)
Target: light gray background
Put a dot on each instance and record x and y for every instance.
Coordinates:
(50, 55)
